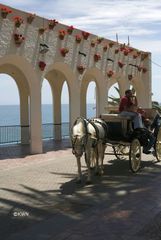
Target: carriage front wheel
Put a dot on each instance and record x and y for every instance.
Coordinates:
(158, 145)
(135, 155)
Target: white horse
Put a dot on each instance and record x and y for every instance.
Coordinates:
(88, 137)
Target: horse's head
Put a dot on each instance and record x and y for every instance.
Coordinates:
(78, 137)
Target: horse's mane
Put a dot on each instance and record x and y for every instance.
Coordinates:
(80, 125)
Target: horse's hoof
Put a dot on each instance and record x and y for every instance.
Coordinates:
(78, 181)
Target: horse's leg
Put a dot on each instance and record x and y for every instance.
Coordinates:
(79, 179)
(92, 160)
(102, 158)
(96, 150)
(87, 159)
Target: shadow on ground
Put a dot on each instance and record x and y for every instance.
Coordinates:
(73, 202)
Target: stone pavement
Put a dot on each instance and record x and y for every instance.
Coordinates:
(40, 200)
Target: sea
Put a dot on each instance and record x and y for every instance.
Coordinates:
(10, 114)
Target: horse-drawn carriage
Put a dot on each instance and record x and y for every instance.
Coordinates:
(127, 142)
(92, 136)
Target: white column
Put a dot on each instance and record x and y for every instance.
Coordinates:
(57, 114)
(35, 120)
(24, 118)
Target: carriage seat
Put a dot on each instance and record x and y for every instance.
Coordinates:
(114, 117)
(118, 126)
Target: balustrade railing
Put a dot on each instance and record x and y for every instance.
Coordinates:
(12, 134)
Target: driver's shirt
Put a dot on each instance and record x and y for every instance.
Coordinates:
(125, 102)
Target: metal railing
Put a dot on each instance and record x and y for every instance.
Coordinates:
(12, 134)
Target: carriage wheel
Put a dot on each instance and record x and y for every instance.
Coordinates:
(158, 145)
(121, 151)
(135, 155)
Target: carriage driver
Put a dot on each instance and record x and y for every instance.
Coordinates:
(128, 107)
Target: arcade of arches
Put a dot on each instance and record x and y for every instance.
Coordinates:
(29, 55)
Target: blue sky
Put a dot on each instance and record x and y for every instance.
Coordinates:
(139, 19)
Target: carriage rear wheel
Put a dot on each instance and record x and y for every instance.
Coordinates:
(121, 151)
(135, 155)
(158, 145)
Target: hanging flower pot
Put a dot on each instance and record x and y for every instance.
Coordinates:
(42, 65)
(122, 47)
(130, 77)
(97, 57)
(5, 11)
(126, 51)
(62, 34)
(143, 56)
(85, 35)
(139, 68)
(121, 64)
(78, 38)
(64, 51)
(18, 21)
(105, 48)
(116, 50)
(130, 49)
(144, 70)
(135, 56)
(80, 68)
(99, 40)
(138, 53)
(52, 23)
(93, 43)
(111, 44)
(70, 30)
(30, 18)
(110, 73)
(42, 30)
(18, 39)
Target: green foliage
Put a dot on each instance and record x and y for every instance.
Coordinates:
(115, 100)
(155, 105)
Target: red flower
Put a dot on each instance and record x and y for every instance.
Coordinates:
(6, 10)
(80, 68)
(110, 73)
(78, 38)
(85, 35)
(18, 21)
(19, 38)
(52, 23)
(70, 29)
(122, 47)
(64, 51)
(97, 57)
(62, 34)
(30, 18)
(42, 65)
(126, 51)
(121, 64)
